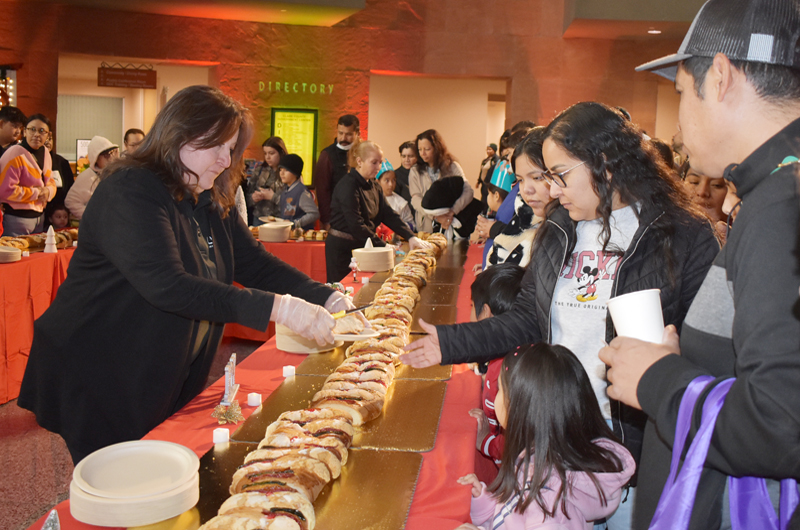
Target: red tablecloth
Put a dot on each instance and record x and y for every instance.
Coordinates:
(27, 288)
(306, 256)
(439, 502)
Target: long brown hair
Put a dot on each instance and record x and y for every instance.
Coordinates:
(552, 424)
(203, 117)
(609, 144)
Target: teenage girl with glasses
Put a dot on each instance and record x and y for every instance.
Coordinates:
(621, 223)
(26, 184)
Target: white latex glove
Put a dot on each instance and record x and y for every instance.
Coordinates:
(416, 242)
(339, 302)
(310, 321)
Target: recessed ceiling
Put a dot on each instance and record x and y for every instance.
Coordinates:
(297, 12)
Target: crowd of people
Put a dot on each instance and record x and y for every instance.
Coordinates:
(579, 427)
(38, 188)
(698, 431)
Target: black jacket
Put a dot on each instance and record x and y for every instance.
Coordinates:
(358, 207)
(331, 167)
(641, 267)
(113, 355)
(741, 325)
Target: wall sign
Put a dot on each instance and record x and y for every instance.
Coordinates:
(298, 129)
(295, 87)
(126, 78)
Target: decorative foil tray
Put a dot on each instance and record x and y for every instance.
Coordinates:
(455, 255)
(409, 422)
(324, 364)
(380, 277)
(451, 275)
(374, 490)
(432, 314)
(439, 294)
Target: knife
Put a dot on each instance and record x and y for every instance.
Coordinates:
(340, 314)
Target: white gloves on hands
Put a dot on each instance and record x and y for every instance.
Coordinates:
(310, 321)
(416, 242)
(339, 302)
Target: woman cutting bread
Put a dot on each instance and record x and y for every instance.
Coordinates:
(132, 334)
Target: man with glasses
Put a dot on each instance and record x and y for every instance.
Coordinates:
(101, 152)
(133, 138)
(12, 120)
(738, 76)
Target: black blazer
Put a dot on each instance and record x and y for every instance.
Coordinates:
(113, 355)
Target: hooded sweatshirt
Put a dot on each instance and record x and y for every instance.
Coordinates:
(584, 505)
(79, 194)
(22, 173)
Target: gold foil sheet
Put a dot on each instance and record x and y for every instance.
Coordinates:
(409, 422)
(432, 314)
(455, 255)
(439, 294)
(451, 275)
(324, 364)
(373, 492)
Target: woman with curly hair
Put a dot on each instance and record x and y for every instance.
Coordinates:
(622, 222)
(435, 162)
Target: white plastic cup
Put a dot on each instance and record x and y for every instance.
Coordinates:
(221, 435)
(638, 315)
(254, 399)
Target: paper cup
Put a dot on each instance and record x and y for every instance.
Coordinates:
(638, 315)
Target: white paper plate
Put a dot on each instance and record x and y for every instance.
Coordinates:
(140, 511)
(136, 469)
(10, 254)
(364, 335)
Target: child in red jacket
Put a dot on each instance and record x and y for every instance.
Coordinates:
(494, 291)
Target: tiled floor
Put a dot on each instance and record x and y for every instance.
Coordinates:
(35, 466)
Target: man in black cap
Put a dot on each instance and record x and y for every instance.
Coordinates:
(738, 74)
(332, 164)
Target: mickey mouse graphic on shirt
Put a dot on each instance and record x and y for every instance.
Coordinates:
(587, 288)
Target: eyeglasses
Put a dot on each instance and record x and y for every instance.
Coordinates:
(558, 178)
(34, 130)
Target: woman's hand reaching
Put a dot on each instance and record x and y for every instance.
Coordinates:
(424, 352)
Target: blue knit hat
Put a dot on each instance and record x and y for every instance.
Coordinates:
(503, 177)
(385, 166)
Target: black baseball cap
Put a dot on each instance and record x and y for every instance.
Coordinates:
(761, 31)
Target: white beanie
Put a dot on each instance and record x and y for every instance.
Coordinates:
(98, 145)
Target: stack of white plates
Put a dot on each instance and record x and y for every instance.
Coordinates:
(9, 254)
(134, 484)
(375, 259)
